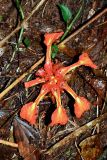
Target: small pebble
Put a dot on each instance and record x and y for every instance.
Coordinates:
(1, 51)
(91, 13)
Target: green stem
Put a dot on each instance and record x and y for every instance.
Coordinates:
(20, 34)
(16, 46)
(18, 5)
(71, 24)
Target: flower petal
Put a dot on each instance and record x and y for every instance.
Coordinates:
(59, 116)
(34, 82)
(29, 112)
(52, 37)
(85, 60)
(81, 106)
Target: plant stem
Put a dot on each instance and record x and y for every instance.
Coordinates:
(71, 24)
(16, 46)
(18, 5)
(2, 42)
(90, 21)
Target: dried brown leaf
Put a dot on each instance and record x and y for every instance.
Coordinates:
(27, 138)
(91, 148)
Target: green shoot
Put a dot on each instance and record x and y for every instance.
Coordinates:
(71, 24)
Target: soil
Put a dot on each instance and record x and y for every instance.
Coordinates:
(86, 82)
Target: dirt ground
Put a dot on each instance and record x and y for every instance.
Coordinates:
(79, 139)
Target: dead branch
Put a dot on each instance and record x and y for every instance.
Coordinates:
(2, 42)
(2, 94)
(66, 141)
(7, 143)
(83, 27)
(41, 60)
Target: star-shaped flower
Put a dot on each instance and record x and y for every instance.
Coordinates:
(53, 78)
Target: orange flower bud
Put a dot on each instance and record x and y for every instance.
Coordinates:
(81, 105)
(85, 60)
(52, 37)
(29, 112)
(59, 116)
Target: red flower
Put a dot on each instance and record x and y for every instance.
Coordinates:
(52, 37)
(81, 105)
(29, 112)
(85, 60)
(53, 77)
(59, 116)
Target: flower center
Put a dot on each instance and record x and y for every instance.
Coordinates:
(53, 80)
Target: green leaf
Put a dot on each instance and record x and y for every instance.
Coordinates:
(26, 42)
(66, 13)
(54, 50)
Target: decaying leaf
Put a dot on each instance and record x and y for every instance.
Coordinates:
(90, 148)
(27, 138)
(4, 115)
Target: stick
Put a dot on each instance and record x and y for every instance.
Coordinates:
(9, 143)
(2, 94)
(66, 141)
(41, 60)
(2, 42)
(83, 27)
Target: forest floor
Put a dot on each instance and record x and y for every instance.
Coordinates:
(80, 139)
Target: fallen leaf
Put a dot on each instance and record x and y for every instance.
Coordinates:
(27, 139)
(90, 148)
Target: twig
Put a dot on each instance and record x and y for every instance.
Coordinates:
(15, 145)
(66, 141)
(83, 27)
(78, 150)
(2, 94)
(2, 42)
(41, 60)
(44, 8)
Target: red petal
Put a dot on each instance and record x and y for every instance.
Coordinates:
(59, 116)
(52, 37)
(81, 106)
(85, 60)
(29, 112)
(33, 82)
